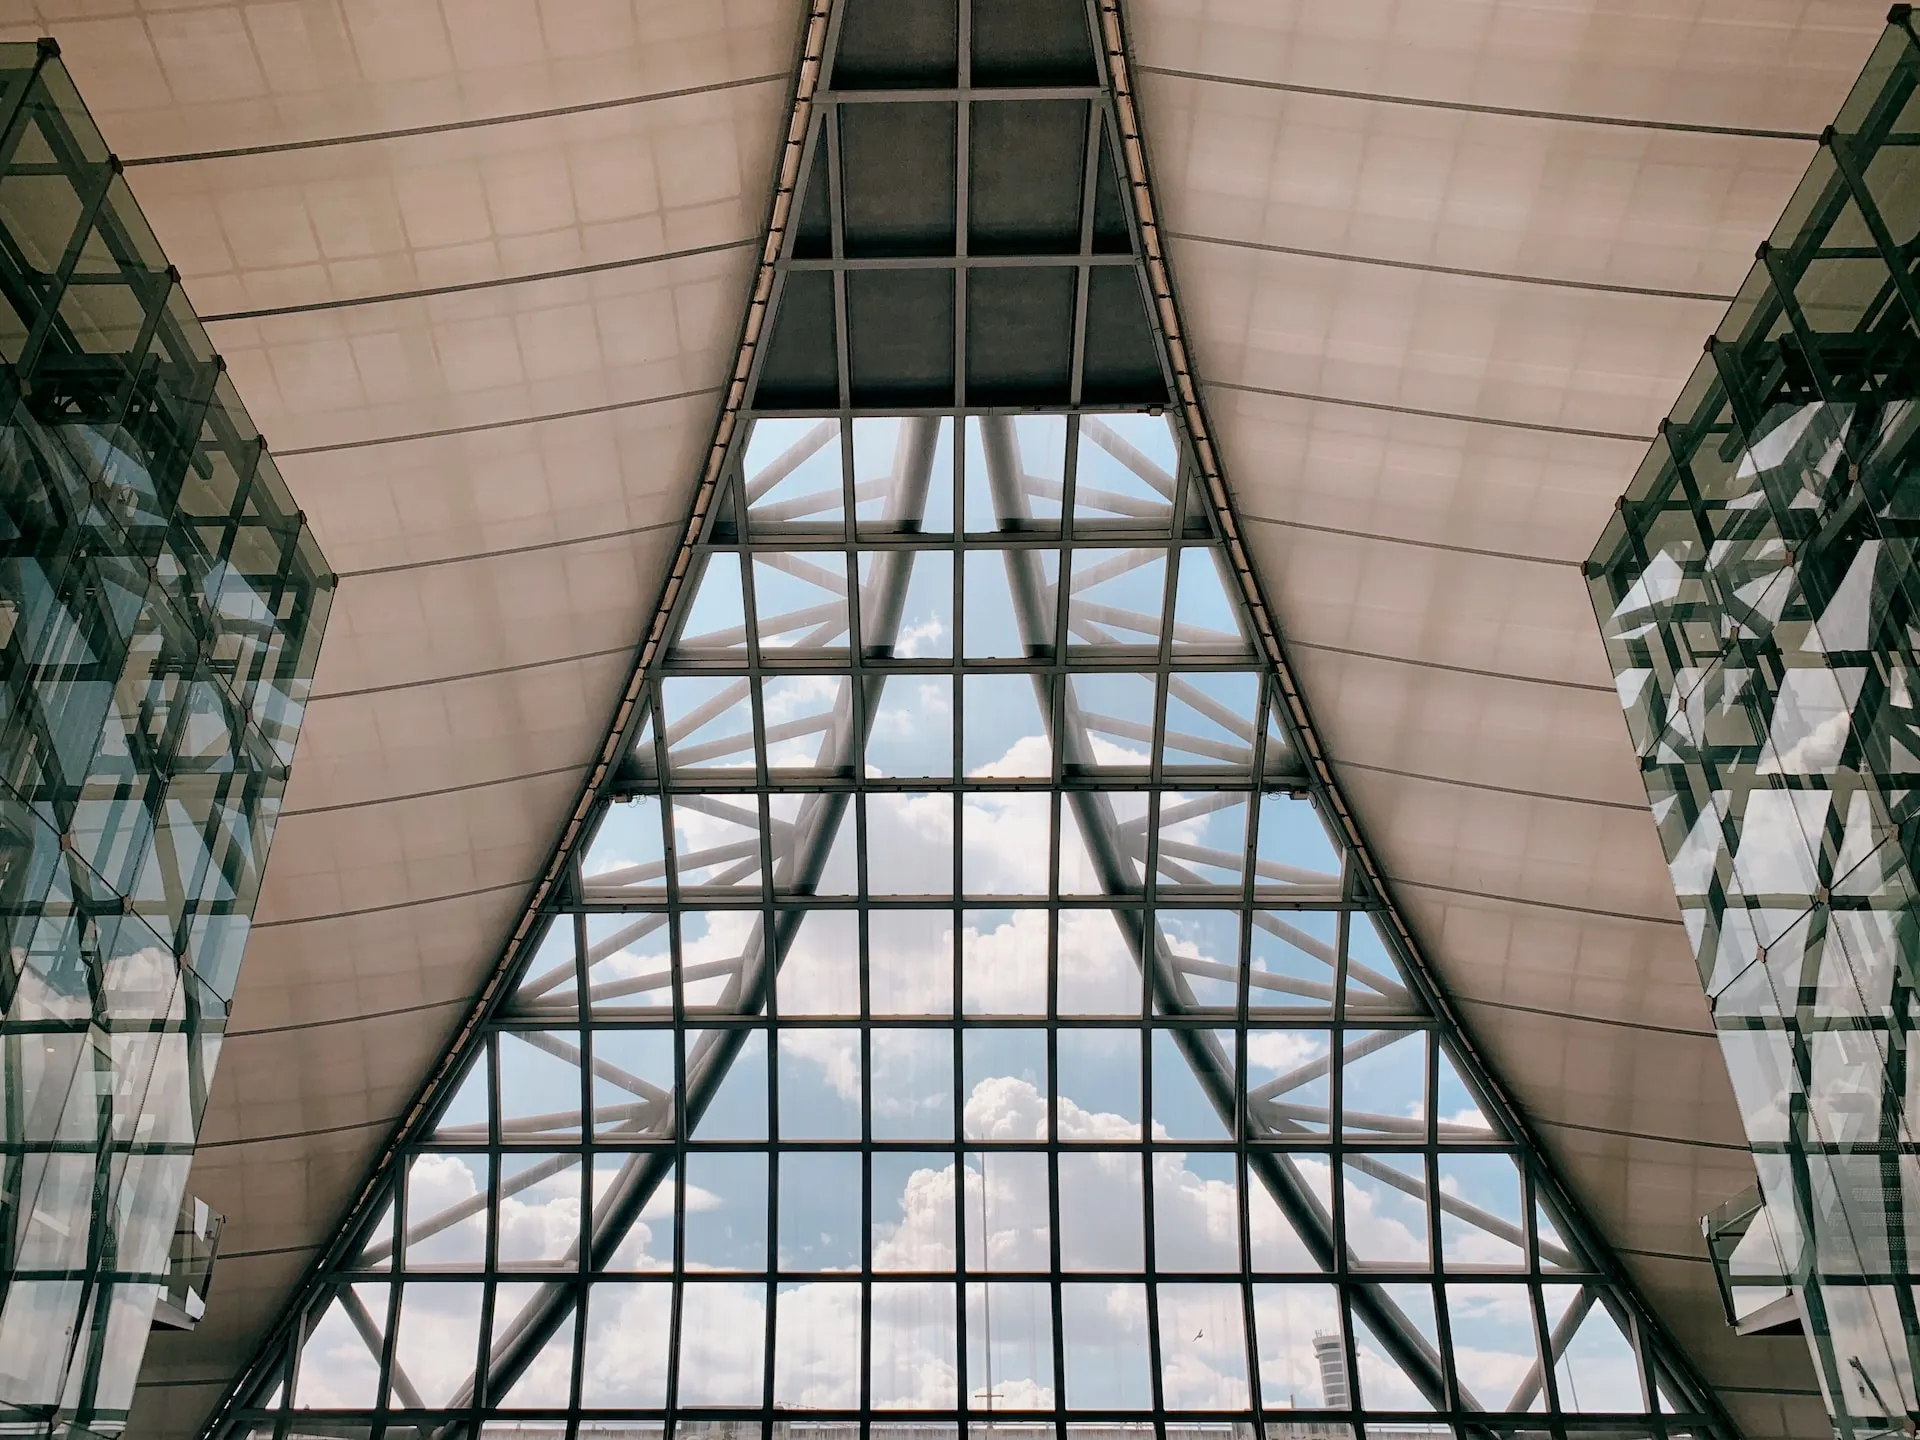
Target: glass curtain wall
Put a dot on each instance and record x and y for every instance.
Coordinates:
(161, 604)
(952, 1005)
(1757, 592)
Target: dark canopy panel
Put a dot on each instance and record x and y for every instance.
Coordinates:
(962, 238)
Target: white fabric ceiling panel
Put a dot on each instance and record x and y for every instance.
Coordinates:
(515, 608)
(1469, 190)
(478, 731)
(510, 487)
(1419, 720)
(315, 1078)
(1433, 479)
(401, 851)
(1475, 246)
(1644, 1185)
(325, 972)
(1504, 614)
(169, 79)
(1452, 344)
(1489, 842)
(1620, 1079)
(468, 206)
(1561, 961)
(384, 369)
(1752, 64)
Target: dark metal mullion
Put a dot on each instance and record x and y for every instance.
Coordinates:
(91, 203)
(1553, 1344)
(763, 802)
(957, 670)
(389, 1365)
(864, 1003)
(1783, 290)
(921, 94)
(165, 283)
(1430, 1164)
(13, 126)
(1243, 1005)
(962, 161)
(1898, 266)
(1340, 1260)
(676, 998)
(962, 220)
(1089, 186)
(1049, 260)
(1536, 1294)
(1051, 692)
(1157, 946)
(836, 224)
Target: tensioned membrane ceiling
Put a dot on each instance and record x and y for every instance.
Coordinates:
(478, 267)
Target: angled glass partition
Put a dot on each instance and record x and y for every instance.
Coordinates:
(960, 999)
(1757, 590)
(161, 606)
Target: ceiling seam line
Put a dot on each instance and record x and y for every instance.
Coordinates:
(396, 905)
(1647, 1254)
(1459, 271)
(1642, 1135)
(466, 675)
(485, 425)
(1538, 426)
(1464, 107)
(1484, 785)
(293, 1135)
(409, 132)
(475, 555)
(264, 1253)
(1534, 904)
(487, 784)
(347, 1019)
(1514, 555)
(1299, 644)
(504, 282)
(1581, 1018)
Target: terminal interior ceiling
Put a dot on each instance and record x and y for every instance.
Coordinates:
(478, 270)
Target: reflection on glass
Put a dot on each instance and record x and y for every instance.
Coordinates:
(793, 476)
(1004, 962)
(1105, 1330)
(910, 962)
(819, 1230)
(912, 1090)
(1125, 472)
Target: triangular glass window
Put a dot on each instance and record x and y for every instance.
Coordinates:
(965, 1003)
